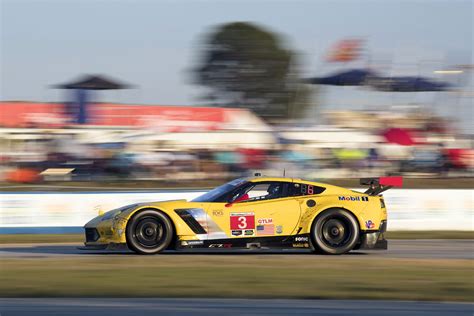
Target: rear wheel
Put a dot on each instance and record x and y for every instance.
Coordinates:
(335, 232)
(149, 232)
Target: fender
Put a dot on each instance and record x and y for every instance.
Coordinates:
(308, 223)
(145, 208)
(179, 226)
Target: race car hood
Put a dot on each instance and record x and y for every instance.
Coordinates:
(127, 210)
(161, 205)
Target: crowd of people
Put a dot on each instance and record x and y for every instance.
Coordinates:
(121, 161)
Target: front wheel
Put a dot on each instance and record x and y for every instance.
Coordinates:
(335, 232)
(149, 232)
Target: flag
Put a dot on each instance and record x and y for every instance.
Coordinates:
(265, 229)
(345, 50)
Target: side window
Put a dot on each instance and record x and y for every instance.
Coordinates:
(300, 189)
(260, 191)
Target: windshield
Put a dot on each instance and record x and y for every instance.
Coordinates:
(215, 194)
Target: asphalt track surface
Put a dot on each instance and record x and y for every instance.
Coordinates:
(119, 307)
(426, 249)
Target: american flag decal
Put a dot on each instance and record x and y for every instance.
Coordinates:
(265, 229)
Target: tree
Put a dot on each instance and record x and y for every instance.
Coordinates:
(246, 66)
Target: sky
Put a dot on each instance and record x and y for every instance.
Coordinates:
(155, 44)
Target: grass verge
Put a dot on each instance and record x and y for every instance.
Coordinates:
(63, 238)
(239, 276)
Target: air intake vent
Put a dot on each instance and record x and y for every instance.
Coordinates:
(188, 218)
(92, 235)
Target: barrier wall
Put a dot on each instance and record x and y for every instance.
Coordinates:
(408, 209)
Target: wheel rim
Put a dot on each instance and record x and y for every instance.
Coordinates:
(149, 232)
(336, 232)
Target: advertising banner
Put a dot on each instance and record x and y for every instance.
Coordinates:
(411, 209)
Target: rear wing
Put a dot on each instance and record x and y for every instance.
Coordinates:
(379, 185)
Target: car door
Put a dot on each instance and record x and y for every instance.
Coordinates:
(261, 209)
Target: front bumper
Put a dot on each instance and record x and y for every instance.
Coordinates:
(95, 241)
(103, 235)
(111, 246)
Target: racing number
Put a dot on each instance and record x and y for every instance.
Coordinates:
(242, 221)
(307, 189)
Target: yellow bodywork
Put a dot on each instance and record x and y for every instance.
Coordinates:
(291, 215)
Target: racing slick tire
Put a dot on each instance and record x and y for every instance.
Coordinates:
(149, 232)
(335, 231)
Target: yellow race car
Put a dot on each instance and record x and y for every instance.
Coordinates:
(258, 212)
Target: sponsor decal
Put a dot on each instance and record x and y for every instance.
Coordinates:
(217, 213)
(220, 246)
(301, 238)
(354, 198)
(265, 229)
(263, 221)
(249, 232)
(191, 242)
(236, 233)
(242, 221)
(279, 229)
(369, 224)
(195, 242)
(300, 245)
(216, 246)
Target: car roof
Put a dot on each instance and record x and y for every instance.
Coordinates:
(284, 179)
(330, 189)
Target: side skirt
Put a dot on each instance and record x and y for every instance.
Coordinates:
(274, 242)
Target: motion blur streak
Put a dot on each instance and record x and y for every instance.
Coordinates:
(182, 307)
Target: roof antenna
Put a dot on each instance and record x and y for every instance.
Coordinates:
(284, 171)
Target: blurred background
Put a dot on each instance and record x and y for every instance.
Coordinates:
(96, 92)
(108, 103)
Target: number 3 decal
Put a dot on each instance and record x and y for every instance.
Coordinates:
(242, 222)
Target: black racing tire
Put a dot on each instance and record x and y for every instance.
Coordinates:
(335, 232)
(149, 232)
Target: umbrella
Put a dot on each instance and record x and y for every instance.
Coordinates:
(399, 136)
(408, 84)
(78, 108)
(89, 82)
(354, 77)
